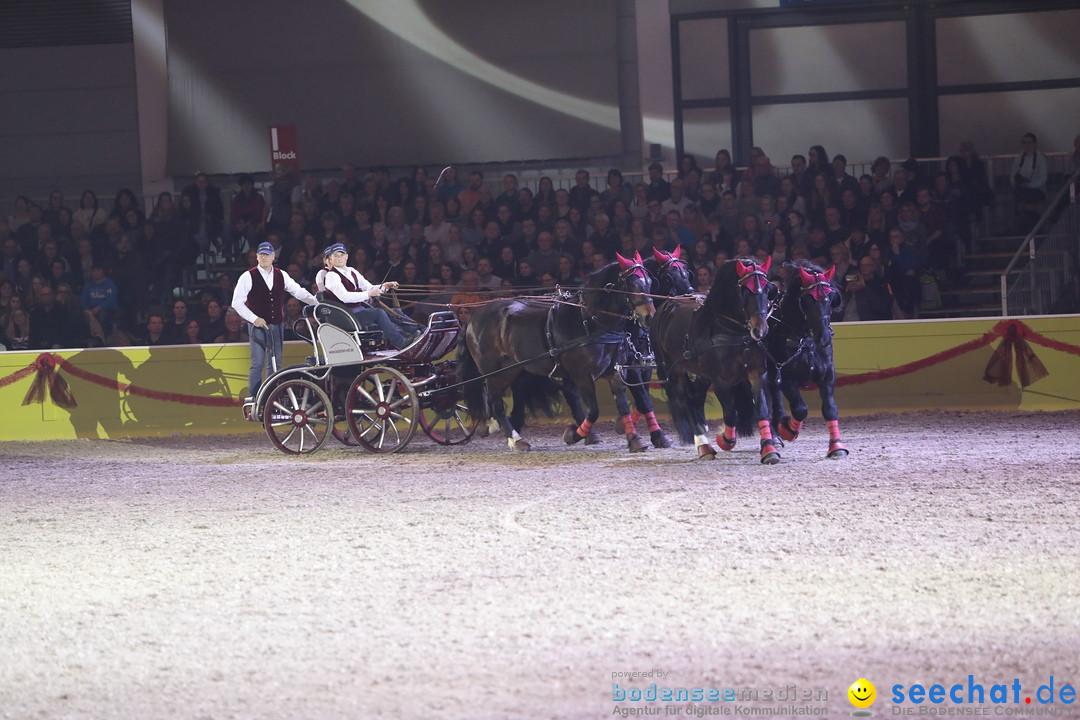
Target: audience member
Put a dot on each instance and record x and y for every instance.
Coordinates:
(867, 296)
(1028, 177)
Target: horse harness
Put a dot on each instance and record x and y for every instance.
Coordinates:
(610, 337)
(754, 280)
(806, 344)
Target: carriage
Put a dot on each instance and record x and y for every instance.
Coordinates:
(355, 389)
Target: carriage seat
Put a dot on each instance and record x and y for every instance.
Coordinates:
(334, 313)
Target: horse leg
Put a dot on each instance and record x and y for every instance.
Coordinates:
(837, 449)
(572, 396)
(776, 404)
(699, 392)
(517, 411)
(618, 391)
(498, 413)
(769, 454)
(643, 408)
(587, 389)
(790, 425)
(728, 435)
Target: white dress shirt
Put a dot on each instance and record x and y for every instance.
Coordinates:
(331, 281)
(243, 287)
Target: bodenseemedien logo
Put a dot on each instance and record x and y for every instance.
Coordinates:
(862, 694)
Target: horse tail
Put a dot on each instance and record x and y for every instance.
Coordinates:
(678, 389)
(473, 388)
(536, 395)
(746, 425)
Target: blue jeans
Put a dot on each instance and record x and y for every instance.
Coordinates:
(258, 339)
(377, 316)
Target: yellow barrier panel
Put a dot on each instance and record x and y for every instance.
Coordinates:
(881, 367)
(127, 392)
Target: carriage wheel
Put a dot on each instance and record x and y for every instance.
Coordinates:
(297, 417)
(381, 410)
(447, 421)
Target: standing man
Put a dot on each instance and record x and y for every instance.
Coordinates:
(259, 299)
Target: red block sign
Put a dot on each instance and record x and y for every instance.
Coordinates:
(284, 155)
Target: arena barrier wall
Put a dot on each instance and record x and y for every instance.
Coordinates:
(1030, 363)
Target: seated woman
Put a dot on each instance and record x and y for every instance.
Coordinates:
(351, 289)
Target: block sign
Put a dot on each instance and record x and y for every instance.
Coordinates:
(284, 157)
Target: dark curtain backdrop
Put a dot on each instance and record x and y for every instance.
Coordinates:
(525, 80)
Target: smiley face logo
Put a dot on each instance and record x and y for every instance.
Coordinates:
(862, 693)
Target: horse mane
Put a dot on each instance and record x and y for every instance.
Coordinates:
(597, 279)
(723, 293)
(794, 281)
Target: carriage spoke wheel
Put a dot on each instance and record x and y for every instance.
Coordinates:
(381, 410)
(298, 417)
(447, 421)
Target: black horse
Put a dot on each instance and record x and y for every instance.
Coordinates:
(670, 276)
(800, 346)
(718, 341)
(578, 341)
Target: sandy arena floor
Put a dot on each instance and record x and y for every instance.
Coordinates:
(213, 577)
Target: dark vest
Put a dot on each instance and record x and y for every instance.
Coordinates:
(350, 286)
(267, 303)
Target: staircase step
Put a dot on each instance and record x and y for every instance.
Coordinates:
(992, 272)
(990, 256)
(965, 292)
(982, 310)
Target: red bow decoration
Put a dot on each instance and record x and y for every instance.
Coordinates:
(1029, 368)
(47, 377)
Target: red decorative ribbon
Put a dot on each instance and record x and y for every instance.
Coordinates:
(1029, 368)
(47, 377)
(47, 366)
(1014, 334)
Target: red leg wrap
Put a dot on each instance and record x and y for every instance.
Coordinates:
(583, 430)
(834, 429)
(726, 440)
(789, 428)
(651, 418)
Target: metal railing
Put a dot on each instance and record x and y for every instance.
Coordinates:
(1053, 265)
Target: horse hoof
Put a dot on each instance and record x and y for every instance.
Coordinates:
(837, 450)
(522, 446)
(592, 438)
(570, 435)
(725, 444)
(482, 430)
(770, 458)
(659, 439)
(706, 452)
(634, 443)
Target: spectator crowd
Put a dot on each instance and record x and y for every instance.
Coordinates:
(104, 273)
